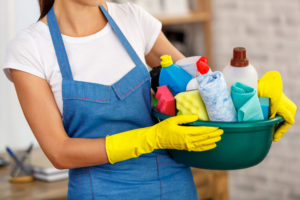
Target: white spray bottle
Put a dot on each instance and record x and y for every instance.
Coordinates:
(202, 68)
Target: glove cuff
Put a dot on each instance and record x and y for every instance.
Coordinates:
(127, 145)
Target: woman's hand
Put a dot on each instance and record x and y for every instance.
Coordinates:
(270, 85)
(169, 134)
(43, 116)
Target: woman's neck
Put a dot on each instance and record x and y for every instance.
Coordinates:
(78, 20)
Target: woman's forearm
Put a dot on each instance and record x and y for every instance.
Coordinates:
(162, 46)
(77, 152)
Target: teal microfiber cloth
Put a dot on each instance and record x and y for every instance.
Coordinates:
(246, 102)
(265, 106)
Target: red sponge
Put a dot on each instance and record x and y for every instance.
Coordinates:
(166, 101)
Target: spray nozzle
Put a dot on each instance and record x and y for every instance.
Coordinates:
(202, 66)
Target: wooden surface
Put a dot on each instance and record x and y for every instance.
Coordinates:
(193, 17)
(36, 190)
(211, 185)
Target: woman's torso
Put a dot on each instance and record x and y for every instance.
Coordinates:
(90, 57)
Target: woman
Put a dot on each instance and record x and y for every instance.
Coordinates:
(81, 80)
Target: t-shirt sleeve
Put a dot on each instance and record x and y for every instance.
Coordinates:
(22, 54)
(151, 27)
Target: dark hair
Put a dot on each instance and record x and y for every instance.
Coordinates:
(45, 6)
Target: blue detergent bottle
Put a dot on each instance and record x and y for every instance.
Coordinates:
(173, 76)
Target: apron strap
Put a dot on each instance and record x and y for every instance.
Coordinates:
(59, 46)
(136, 59)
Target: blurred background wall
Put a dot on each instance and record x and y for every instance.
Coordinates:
(269, 29)
(14, 130)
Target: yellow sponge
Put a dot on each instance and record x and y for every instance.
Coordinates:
(190, 102)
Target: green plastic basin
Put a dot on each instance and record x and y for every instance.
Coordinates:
(243, 144)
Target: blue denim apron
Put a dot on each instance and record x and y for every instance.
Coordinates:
(92, 110)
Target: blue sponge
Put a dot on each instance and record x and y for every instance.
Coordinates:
(265, 106)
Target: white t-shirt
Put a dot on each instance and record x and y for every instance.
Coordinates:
(99, 58)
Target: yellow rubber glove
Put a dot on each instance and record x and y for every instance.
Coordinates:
(167, 134)
(270, 85)
(287, 109)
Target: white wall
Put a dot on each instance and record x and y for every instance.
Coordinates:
(14, 130)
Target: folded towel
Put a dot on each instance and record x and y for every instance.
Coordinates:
(246, 102)
(216, 97)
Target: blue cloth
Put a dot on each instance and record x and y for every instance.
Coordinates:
(265, 106)
(246, 102)
(92, 110)
(216, 97)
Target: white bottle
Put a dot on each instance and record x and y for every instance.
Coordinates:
(202, 69)
(189, 64)
(240, 70)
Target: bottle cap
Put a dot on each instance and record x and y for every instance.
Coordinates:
(166, 61)
(204, 59)
(239, 57)
(202, 67)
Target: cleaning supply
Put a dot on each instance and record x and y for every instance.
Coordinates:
(168, 134)
(166, 101)
(190, 102)
(216, 96)
(270, 85)
(154, 73)
(192, 85)
(202, 69)
(246, 103)
(240, 70)
(265, 106)
(202, 66)
(189, 64)
(173, 76)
